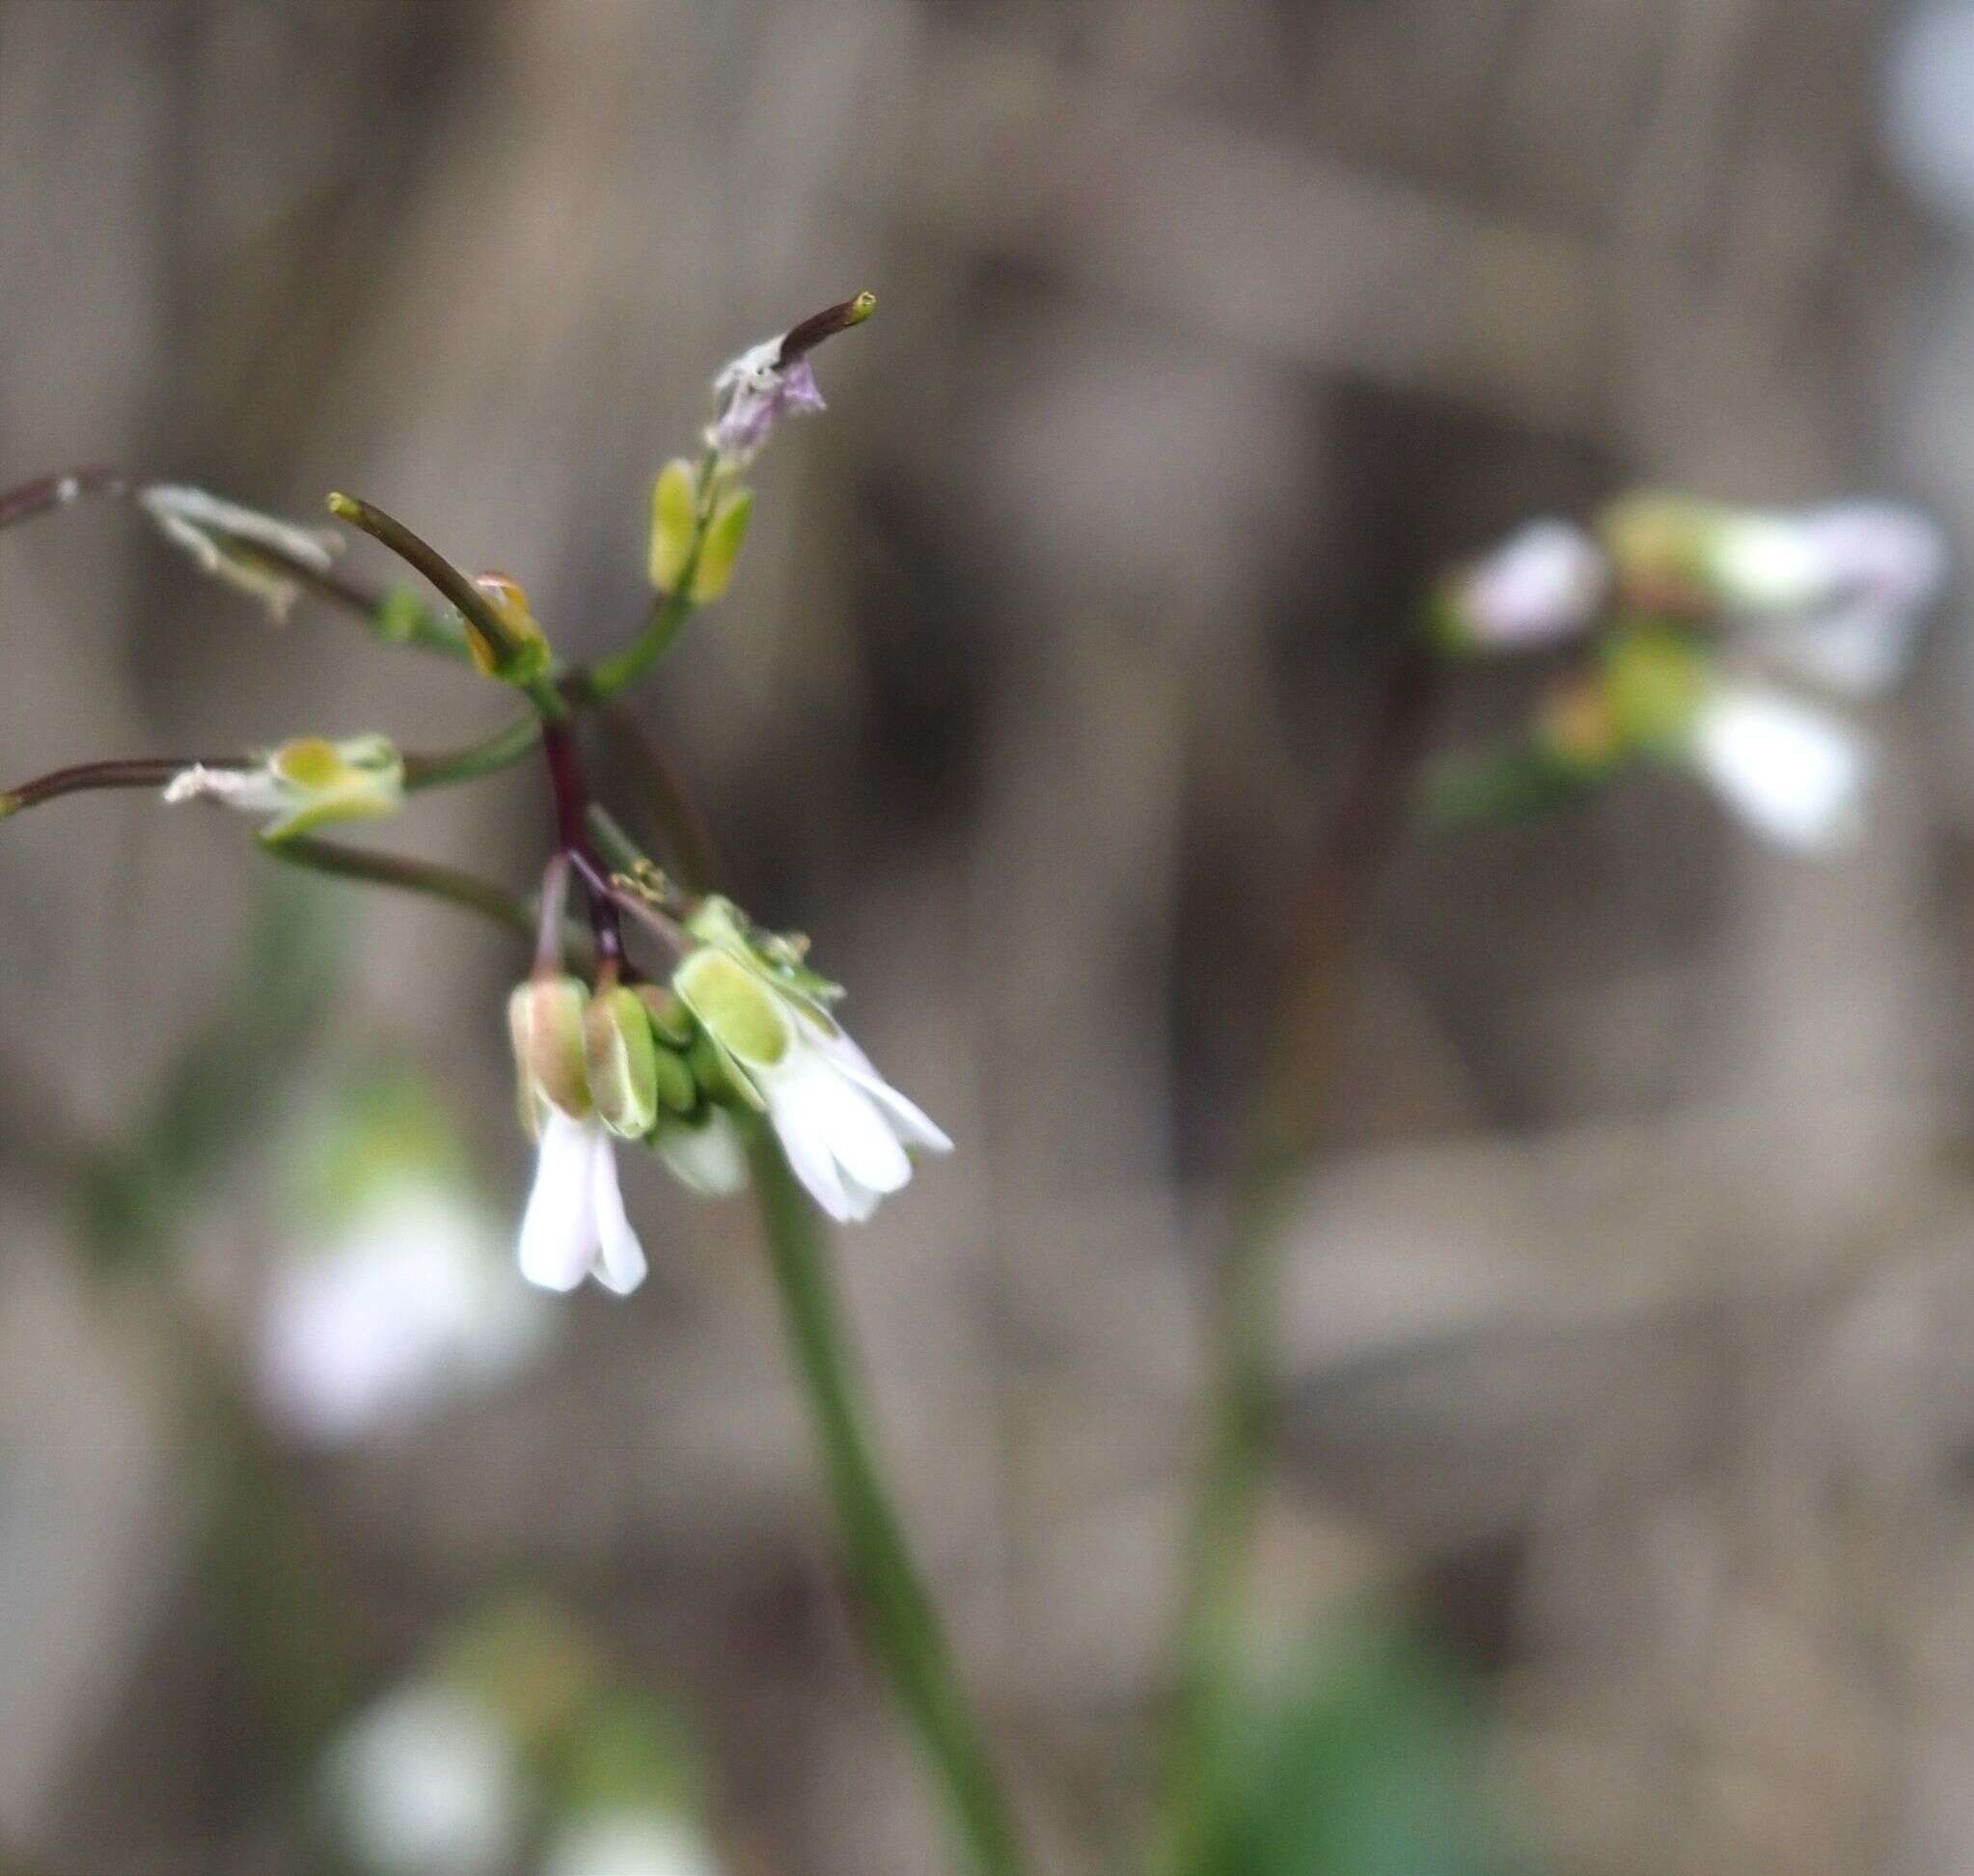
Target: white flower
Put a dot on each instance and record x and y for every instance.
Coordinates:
(575, 1224)
(631, 1842)
(1541, 585)
(247, 549)
(1791, 772)
(427, 1783)
(408, 1305)
(844, 1127)
(304, 783)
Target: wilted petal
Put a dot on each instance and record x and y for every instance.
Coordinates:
(250, 790)
(559, 1244)
(1791, 772)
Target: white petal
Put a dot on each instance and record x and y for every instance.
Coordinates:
(1544, 584)
(860, 1201)
(1793, 773)
(860, 1140)
(622, 1267)
(709, 1159)
(805, 1138)
(1772, 563)
(908, 1121)
(559, 1242)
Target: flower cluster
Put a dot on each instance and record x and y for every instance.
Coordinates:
(1721, 639)
(742, 1029)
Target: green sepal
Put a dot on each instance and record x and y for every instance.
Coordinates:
(720, 1078)
(620, 1059)
(545, 1021)
(720, 548)
(735, 1006)
(674, 504)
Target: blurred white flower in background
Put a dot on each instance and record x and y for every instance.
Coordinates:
(641, 1841)
(393, 1293)
(426, 1782)
(409, 1304)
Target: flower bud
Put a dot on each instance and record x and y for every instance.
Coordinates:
(545, 1019)
(671, 1020)
(621, 1062)
(678, 1090)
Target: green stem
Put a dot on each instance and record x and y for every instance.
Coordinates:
(407, 876)
(667, 620)
(1285, 1126)
(503, 749)
(904, 1626)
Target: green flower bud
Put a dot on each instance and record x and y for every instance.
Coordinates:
(671, 1020)
(677, 1088)
(674, 496)
(720, 548)
(620, 1059)
(545, 1021)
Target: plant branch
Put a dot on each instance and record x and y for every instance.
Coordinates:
(407, 876)
(903, 1624)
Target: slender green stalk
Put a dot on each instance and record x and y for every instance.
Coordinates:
(1284, 1127)
(904, 1626)
(502, 750)
(407, 876)
(667, 620)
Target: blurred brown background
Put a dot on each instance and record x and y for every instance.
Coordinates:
(1634, 1332)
